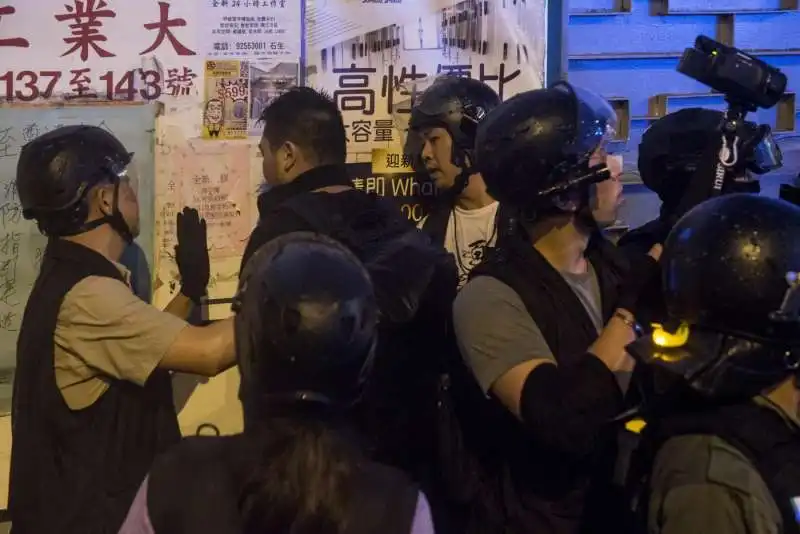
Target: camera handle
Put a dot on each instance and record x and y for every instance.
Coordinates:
(729, 152)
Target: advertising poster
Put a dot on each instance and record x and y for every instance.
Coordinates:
(227, 99)
(264, 33)
(375, 57)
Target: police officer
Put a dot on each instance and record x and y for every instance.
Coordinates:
(677, 160)
(306, 319)
(723, 431)
(92, 401)
(561, 313)
(444, 120)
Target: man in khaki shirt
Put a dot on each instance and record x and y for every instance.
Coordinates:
(86, 357)
(703, 483)
(726, 456)
(92, 399)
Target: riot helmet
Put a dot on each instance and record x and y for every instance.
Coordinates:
(56, 171)
(679, 152)
(534, 150)
(305, 326)
(730, 279)
(457, 105)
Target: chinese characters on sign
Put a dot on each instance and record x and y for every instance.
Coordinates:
(89, 46)
(87, 21)
(27, 86)
(163, 26)
(253, 29)
(213, 178)
(17, 42)
(21, 246)
(354, 94)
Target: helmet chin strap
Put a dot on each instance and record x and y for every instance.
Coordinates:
(461, 160)
(115, 220)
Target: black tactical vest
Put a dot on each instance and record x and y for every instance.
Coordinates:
(770, 442)
(538, 489)
(195, 488)
(78, 471)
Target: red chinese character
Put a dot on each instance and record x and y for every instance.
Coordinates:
(86, 27)
(80, 84)
(180, 83)
(18, 42)
(163, 26)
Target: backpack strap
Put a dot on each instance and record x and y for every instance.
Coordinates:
(307, 208)
(436, 222)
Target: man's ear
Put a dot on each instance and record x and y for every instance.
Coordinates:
(291, 153)
(103, 197)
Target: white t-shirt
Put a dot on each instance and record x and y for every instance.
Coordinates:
(468, 234)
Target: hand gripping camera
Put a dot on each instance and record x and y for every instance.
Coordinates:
(748, 84)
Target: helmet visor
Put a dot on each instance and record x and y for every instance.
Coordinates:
(767, 155)
(596, 121)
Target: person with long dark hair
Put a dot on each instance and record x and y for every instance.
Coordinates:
(305, 323)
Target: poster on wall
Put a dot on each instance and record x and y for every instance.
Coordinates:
(375, 56)
(266, 36)
(227, 99)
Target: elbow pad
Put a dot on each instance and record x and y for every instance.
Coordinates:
(567, 408)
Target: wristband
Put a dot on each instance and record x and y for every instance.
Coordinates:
(631, 323)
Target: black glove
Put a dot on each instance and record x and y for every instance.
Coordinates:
(643, 271)
(191, 254)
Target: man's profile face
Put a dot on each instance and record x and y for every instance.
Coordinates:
(607, 195)
(127, 200)
(437, 156)
(129, 204)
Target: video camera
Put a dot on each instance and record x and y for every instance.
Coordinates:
(747, 84)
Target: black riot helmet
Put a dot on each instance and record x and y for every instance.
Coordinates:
(56, 170)
(305, 325)
(730, 279)
(533, 150)
(679, 152)
(456, 104)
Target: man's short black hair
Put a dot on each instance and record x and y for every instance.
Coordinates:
(310, 120)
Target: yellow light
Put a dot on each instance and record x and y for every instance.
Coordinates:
(669, 340)
(635, 425)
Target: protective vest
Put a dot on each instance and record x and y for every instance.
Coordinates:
(535, 489)
(78, 471)
(758, 432)
(196, 487)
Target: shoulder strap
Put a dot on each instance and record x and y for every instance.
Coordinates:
(435, 224)
(306, 207)
(506, 223)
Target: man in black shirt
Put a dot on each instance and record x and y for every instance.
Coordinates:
(307, 189)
